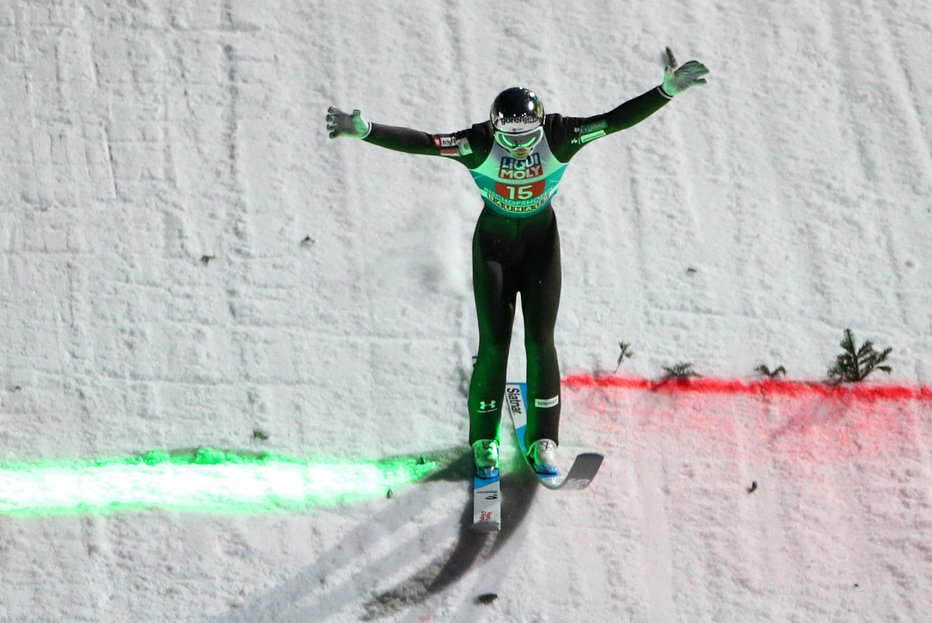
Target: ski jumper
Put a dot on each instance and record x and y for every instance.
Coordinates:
(516, 249)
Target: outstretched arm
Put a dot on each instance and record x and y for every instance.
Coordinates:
(341, 124)
(675, 81)
(403, 139)
(579, 132)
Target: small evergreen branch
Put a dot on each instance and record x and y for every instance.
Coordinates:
(679, 372)
(765, 371)
(625, 353)
(856, 363)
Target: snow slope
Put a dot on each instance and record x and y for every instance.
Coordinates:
(185, 258)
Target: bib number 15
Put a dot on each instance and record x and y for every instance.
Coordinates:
(520, 192)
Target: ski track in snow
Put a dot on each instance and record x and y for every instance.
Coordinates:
(186, 259)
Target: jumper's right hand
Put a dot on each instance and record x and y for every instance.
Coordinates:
(340, 123)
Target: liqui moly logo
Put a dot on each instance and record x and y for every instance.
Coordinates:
(514, 169)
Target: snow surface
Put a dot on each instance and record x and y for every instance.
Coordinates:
(186, 258)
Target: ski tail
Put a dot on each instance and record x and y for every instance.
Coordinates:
(487, 503)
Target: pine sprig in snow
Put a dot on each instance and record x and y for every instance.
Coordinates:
(679, 372)
(855, 364)
(625, 354)
(763, 370)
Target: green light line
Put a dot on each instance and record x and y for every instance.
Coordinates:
(205, 481)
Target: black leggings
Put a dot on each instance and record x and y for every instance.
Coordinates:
(511, 255)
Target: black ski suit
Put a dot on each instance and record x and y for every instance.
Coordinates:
(516, 248)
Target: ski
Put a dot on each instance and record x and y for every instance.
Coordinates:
(487, 493)
(585, 466)
(487, 503)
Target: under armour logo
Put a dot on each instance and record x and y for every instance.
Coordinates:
(487, 406)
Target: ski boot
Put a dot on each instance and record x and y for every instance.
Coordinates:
(485, 457)
(543, 457)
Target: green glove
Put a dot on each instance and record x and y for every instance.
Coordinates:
(340, 123)
(675, 81)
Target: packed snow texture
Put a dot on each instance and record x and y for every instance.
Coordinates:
(186, 259)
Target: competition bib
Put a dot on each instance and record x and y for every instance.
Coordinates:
(519, 188)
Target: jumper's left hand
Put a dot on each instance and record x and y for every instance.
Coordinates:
(675, 81)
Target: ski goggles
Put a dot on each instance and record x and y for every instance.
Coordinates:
(519, 140)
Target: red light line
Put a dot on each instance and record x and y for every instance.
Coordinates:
(766, 387)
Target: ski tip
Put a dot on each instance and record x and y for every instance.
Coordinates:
(583, 470)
